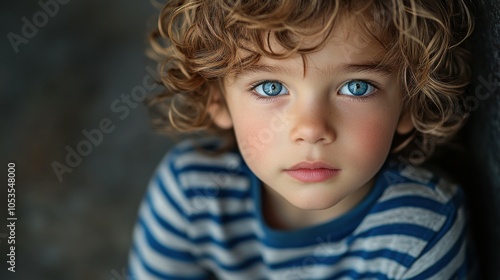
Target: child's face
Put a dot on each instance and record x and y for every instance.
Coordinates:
(317, 139)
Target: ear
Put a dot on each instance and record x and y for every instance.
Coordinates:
(405, 124)
(217, 109)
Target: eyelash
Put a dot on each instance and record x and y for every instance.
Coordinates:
(259, 97)
(363, 97)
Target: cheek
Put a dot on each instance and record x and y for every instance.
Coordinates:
(371, 138)
(254, 134)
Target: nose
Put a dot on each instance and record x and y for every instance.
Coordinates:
(313, 123)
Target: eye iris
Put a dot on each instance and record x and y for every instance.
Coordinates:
(272, 88)
(357, 87)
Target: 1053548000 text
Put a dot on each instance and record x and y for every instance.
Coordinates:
(11, 219)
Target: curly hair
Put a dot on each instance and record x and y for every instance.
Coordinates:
(197, 43)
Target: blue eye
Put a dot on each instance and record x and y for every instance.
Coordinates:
(270, 88)
(357, 88)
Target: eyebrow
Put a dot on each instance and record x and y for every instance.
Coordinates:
(368, 67)
(259, 68)
(376, 67)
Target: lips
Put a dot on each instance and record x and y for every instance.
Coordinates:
(311, 172)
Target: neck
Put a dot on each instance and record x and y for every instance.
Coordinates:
(279, 214)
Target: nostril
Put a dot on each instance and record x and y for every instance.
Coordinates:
(314, 136)
(312, 128)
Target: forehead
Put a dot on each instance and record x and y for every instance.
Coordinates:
(349, 43)
(346, 44)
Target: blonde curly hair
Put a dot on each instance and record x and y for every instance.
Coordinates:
(197, 43)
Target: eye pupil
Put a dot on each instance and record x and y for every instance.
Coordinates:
(358, 88)
(272, 88)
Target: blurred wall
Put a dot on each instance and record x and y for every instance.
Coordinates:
(66, 67)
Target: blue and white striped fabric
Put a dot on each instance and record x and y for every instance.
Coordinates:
(201, 219)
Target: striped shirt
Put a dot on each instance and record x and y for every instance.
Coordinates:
(201, 219)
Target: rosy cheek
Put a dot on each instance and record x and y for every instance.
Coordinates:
(257, 126)
(372, 139)
(253, 134)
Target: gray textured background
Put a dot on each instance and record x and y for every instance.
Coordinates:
(482, 137)
(64, 80)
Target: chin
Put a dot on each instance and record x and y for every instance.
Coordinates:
(314, 203)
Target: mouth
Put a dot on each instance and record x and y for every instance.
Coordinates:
(311, 172)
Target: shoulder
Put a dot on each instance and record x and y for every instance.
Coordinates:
(411, 186)
(420, 198)
(424, 215)
(194, 176)
(195, 161)
(201, 152)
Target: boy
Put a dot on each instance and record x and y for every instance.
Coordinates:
(322, 99)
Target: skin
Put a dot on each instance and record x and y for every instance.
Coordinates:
(315, 121)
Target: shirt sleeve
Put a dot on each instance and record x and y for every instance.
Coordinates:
(446, 254)
(161, 247)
